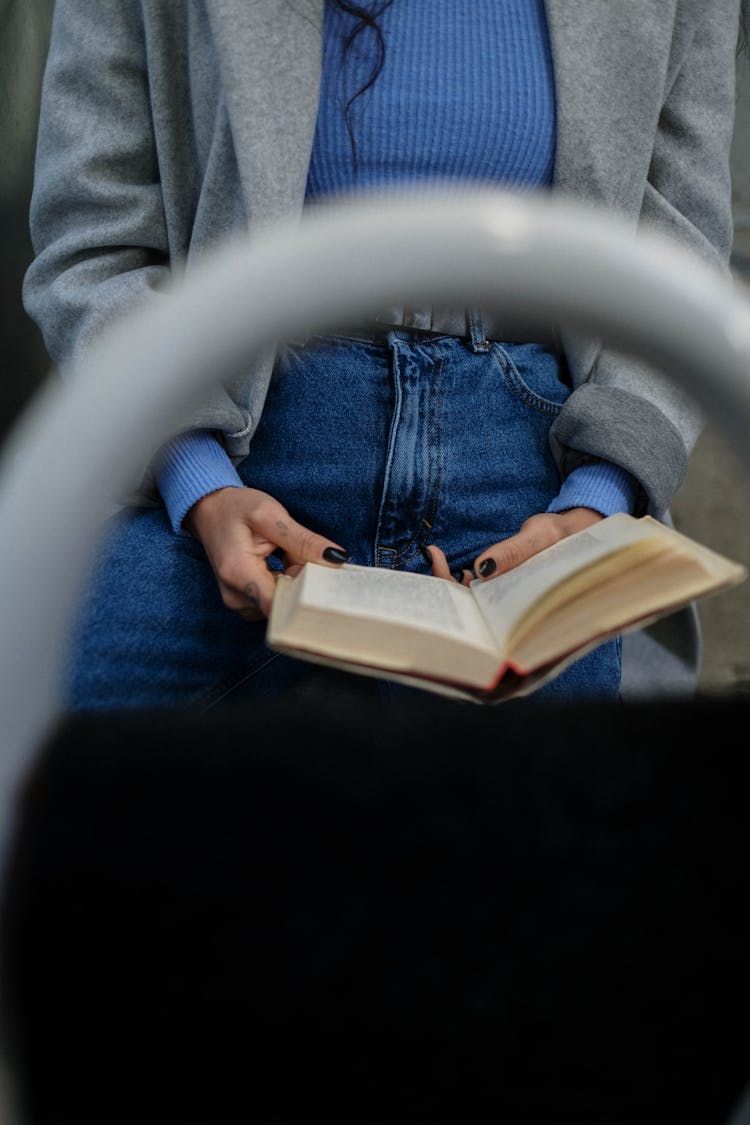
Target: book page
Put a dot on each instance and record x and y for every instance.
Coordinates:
(509, 598)
(596, 581)
(421, 601)
(614, 603)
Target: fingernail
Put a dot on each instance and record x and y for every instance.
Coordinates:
(334, 555)
(487, 567)
(425, 554)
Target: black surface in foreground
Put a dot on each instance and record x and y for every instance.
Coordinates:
(427, 912)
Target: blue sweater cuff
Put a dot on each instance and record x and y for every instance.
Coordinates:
(189, 467)
(604, 487)
(194, 464)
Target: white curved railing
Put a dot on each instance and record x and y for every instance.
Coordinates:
(534, 256)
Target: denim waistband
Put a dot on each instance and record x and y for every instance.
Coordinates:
(480, 327)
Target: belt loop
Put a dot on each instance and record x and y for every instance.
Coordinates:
(476, 333)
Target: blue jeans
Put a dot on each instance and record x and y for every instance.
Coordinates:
(381, 446)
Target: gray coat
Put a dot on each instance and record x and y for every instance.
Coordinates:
(166, 125)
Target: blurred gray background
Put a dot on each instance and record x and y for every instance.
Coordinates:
(24, 37)
(713, 504)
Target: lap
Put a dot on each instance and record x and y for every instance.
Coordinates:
(151, 629)
(383, 450)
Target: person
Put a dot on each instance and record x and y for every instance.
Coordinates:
(427, 439)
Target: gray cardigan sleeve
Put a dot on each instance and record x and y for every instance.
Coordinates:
(98, 223)
(96, 219)
(625, 411)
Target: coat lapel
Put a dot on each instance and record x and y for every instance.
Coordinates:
(610, 65)
(270, 55)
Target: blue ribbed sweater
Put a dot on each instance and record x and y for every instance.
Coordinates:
(466, 95)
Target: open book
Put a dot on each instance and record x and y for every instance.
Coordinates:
(503, 637)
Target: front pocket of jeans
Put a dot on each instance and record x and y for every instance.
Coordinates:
(540, 389)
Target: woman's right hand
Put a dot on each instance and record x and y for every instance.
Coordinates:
(239, 528)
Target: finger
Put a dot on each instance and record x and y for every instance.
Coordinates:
(504, 556)
(248, 587)
(298, 542)
(258, 602)
(292, 568)
(435, 556)
(439, 563)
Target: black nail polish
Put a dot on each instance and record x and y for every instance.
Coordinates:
(334, 555)
(487, 568)
(425, 554)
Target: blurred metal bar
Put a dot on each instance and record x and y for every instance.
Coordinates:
(533, 256)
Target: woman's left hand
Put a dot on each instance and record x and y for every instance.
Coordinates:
(535, 534)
